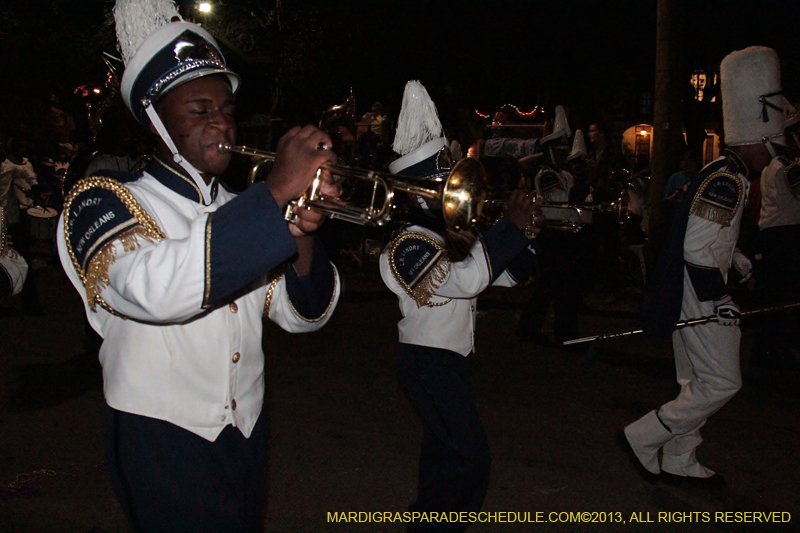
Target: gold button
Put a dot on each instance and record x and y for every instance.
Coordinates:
(236, 357)
(472, 308)
(234, 307)
(233, 404)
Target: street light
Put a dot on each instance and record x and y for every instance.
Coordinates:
(204, 7)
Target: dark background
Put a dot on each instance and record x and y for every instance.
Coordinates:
(586, 55)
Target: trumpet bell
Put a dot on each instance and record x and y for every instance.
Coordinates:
(464, 194)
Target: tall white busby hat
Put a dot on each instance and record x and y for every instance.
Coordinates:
(752, 98)
(578, 147)
(419, 139)
(560, 128)
(160, 55)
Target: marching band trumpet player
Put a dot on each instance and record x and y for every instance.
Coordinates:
(175, 273)
(558, 282)
(437, 275)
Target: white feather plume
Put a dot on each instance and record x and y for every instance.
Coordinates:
(136, 20)
(418, 122)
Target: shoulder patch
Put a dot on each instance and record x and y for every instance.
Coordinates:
(792, 176)
(419, 263)
(718, 197)
(99, 211)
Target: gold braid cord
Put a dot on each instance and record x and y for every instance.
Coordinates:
(277, 275)
(327, 309)
(3, 232)
(95, 278)
(426, 288)
(713, 212)
(274, 277)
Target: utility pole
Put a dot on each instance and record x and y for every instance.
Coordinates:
(667, 113)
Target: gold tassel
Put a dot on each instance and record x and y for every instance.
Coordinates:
(713, 213)
(426, 288)
(96, 277)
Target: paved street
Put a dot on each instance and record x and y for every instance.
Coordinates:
(344, 438)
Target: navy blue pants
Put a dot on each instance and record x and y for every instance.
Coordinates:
(169, 479)
(455, 463)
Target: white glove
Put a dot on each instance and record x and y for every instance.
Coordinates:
(728, 313)
(743, 266)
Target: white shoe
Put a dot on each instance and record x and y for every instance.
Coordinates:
(645, 437)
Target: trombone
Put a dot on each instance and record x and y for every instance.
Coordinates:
(461, 193)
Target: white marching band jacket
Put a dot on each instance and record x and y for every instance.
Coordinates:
(177, 290)
(713, 227)
(438, 297)
(780, 194)
(13, 268)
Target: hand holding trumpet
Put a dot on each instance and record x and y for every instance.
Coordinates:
(301, 154)
(523, 210)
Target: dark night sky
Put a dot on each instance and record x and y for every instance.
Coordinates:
(468, 53)
(486, 53)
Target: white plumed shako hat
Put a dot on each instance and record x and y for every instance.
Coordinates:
(419, 139)
(160, 55)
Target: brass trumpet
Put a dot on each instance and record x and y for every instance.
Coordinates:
(566, 216)
(561, 216)
(461, 194)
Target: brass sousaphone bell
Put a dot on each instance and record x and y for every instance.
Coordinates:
(461, 193)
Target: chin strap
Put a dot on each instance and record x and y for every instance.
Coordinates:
(205, 190)
(770, 148)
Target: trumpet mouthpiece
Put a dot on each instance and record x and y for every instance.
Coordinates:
(224, 148)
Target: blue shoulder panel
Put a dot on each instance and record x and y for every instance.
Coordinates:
(718, 197)
(420, 265)
(94, 217)
(413, 256)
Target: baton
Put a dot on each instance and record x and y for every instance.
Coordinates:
(686, 323)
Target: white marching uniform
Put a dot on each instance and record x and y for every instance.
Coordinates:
(146, 257)
(13, 268)
(439, 298)
(780, 194)
(706, 355)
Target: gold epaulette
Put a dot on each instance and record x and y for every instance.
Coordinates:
(93, 271)
(718, 197)
(422, 286)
